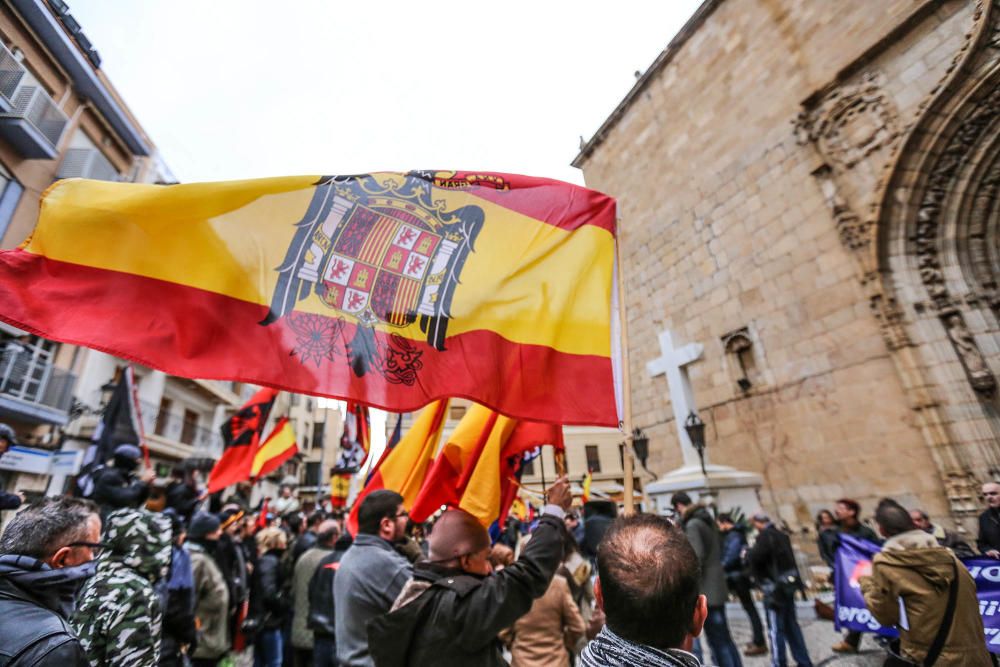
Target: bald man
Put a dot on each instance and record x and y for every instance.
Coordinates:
(989, 522)
(452, 610)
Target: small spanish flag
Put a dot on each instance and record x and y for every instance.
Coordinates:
(587, 479)
(278, 448)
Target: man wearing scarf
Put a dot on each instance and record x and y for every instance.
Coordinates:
(648, 586)
(46, 553)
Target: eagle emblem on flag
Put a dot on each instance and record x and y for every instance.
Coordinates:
(377, 250)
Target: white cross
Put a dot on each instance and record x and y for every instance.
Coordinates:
(672, 363)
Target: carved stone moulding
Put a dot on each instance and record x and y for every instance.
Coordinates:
(932, 230)
(890, 319)
(850, 122)
(854, 232)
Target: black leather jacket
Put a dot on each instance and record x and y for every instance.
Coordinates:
(321, 604)
(456, 619)
(33, 629)
(268, 602)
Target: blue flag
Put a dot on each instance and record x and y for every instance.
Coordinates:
(851, 613)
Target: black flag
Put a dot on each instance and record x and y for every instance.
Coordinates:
(119, 425)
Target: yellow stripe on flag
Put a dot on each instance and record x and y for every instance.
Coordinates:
(482, 495)
(405, 468)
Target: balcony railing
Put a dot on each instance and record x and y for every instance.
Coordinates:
(11, 73)
(87, 163)
(31, 387)
(205, 442)
(35, 124)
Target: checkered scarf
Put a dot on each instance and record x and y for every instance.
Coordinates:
(609, 650)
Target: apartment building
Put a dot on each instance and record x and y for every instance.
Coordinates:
(60, 117)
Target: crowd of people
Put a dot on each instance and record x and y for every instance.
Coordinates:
(204, 581)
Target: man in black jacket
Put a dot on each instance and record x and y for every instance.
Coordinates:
(46, 552)
(773, 563)
(450, 613)
(117, 486)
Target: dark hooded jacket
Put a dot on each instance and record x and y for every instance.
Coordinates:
(269, 603)
(448, 618)
(119, 618)
(35, 604)
(703, 534)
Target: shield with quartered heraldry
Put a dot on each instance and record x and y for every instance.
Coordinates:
(375, 250)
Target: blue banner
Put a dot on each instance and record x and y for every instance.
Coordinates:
(854, 559)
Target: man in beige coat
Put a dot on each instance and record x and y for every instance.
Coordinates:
(545, 635)
(909, 588)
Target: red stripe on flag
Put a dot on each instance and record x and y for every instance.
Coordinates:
(195, 333)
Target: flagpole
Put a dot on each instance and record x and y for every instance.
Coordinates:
(626, 427)
(133, 395)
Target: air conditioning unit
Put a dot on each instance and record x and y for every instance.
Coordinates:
(35, 123)
(87, 163)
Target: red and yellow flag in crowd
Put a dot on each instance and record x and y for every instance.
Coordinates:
(477, 467)
(241, 435)
(278, 448)
(404, 467)
(391, 289)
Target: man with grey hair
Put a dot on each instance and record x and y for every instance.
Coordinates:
(46, 552)
(988, 541)
(945, 538)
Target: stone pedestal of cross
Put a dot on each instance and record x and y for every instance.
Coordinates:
(722, 486)
(672, 363)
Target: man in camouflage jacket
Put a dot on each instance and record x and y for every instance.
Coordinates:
(118, 619)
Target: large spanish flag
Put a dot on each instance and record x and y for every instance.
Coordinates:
(392, 289)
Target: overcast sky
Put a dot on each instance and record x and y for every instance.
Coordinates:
(232, 89)
(244, 88)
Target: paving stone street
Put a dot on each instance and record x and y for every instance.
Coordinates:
(820, 636)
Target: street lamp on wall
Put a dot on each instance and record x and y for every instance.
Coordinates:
(695, 428)
(640, 445)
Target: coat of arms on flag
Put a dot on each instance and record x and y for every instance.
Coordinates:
(374, 252)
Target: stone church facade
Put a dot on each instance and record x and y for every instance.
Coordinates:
(810, 191)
